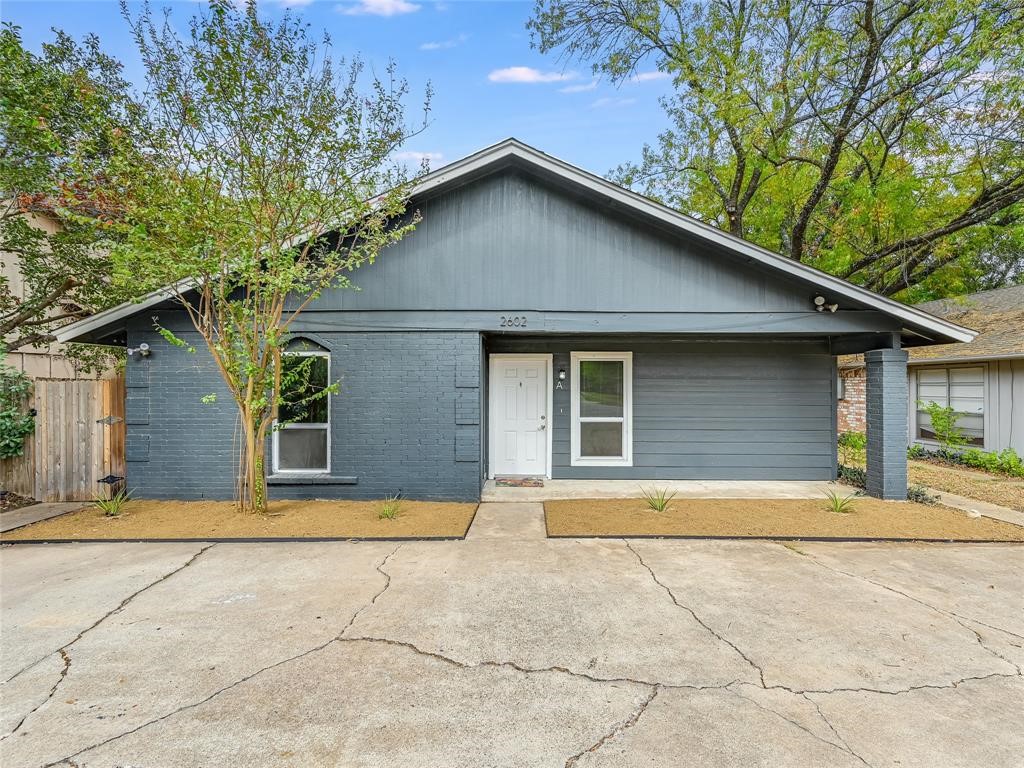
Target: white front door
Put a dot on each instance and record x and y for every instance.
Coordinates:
(519, 415)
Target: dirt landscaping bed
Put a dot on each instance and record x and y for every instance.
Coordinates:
(983, 486)
(772, 518)
(208, 520)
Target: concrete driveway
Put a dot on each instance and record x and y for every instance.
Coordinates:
(505, 651)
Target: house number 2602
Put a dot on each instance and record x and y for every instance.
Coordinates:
(513, 321)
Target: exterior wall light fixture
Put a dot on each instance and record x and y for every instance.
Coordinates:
(142, 350)
(821, 305)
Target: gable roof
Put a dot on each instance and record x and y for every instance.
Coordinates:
(919, 327)
(998, 315)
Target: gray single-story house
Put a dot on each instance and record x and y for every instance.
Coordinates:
(983, 380)
(541, 321)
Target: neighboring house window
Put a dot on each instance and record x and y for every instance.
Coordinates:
(302, 439)
(961, 388)
(602, 408)
(840, 388)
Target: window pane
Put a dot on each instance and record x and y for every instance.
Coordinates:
(601, 388)
(302, 376)
(302, 449)
(601, 438)
(971, 425)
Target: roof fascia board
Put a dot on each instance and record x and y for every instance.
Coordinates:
(106, 317)
(912, 363)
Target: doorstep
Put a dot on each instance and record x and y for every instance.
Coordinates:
(684, 489)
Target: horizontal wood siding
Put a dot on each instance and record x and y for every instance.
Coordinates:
(710, 410)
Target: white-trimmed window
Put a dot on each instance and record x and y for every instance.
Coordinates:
(602, 409)
(302, 435)
(961, 388)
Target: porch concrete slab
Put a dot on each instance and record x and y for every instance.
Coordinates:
(588, 607)
(17, 518)
(373, 704)
(780, 605)
(684, 489)
(508, 521)
(209, 618)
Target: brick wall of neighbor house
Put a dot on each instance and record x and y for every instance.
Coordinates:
(407, 418)
(852, 409)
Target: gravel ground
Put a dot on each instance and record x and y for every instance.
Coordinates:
(1005, 491)
(868, 519)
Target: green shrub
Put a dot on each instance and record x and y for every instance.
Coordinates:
(114, 506)
(944, 425)
(658, 499)
(852, 447)
(840, 505)
(855, 476)
(1006, 461)
(16, 422)
(920, 494)
(391, 507)
(915, 451)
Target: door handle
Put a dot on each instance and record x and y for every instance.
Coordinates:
(542, 427)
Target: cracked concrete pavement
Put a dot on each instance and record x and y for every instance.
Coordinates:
(502, 652)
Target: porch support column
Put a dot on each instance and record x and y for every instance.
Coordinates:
(887, 423)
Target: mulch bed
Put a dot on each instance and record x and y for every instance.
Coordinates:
(974, 484)
(10, 501)
(218, 520)
(871, 519)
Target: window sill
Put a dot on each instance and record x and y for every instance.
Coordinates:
(601, 463)
(309, 478)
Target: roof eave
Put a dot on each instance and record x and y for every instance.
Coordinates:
(935, 329)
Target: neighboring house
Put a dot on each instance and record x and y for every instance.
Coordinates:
(541, 321)
(78, 437)
(983, 380)
(39, 362)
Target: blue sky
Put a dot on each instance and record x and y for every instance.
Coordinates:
(489, 84)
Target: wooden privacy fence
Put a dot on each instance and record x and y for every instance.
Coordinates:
(79, 438)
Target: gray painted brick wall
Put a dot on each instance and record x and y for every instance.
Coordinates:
(403, 421)
(887, 423)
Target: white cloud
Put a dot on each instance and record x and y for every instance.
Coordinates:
(581, 88)
(410, 156)
(444, 44)
(295, 3)
(528, 75)
(646, 77)
(377, 8)
(606, 102)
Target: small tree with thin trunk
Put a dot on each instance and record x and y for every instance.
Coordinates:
(260, 176)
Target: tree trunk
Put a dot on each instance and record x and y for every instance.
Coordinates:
(252, 479)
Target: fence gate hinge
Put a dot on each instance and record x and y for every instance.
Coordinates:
(110, 420)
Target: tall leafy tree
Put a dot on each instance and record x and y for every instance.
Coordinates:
(62, 113)
(264, 177)
(880, 141)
